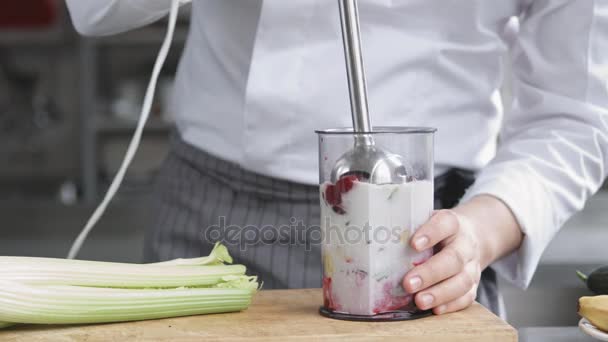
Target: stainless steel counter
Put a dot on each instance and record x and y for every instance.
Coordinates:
(553, 334)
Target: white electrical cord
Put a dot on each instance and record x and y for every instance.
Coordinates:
(134, 144)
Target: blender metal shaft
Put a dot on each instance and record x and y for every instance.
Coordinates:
(351, 32)
(365, 160)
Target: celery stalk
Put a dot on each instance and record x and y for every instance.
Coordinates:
(47, 271)
(175, 273)
(218, 255)
(59, 291)
(76, 305)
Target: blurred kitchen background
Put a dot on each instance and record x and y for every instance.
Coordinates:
(68, 107)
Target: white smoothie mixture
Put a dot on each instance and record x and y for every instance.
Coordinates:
(366, 250)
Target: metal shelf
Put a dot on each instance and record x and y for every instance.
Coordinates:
(152, 35)
(37, 38)
(108, 125)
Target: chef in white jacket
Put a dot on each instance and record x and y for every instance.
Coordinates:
(258, 77)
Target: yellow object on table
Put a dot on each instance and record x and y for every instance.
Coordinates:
(595, 310)
(280, 315)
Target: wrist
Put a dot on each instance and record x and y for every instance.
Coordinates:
(494, 226)
(483, 241)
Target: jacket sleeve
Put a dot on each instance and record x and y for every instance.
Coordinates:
(553, 150)
(106, 17)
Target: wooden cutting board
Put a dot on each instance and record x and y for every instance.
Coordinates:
(280, 315)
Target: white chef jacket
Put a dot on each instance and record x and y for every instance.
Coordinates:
(258, 77)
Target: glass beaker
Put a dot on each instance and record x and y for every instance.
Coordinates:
(367, 227)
